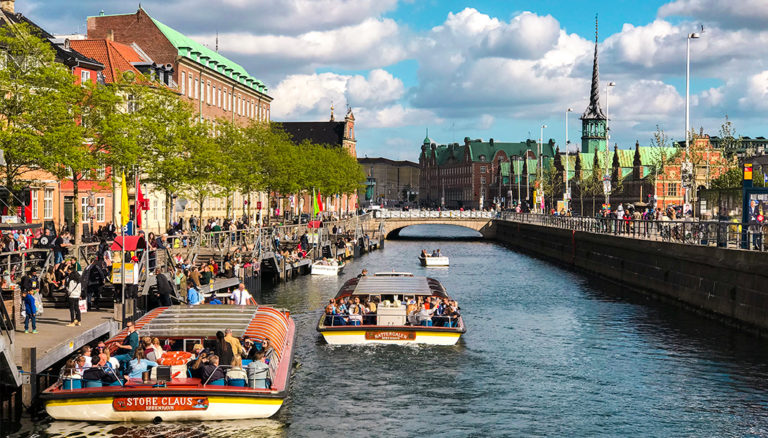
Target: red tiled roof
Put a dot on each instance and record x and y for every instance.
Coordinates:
(116, 57)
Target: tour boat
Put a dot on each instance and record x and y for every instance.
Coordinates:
(321, 269)
(431, 260)
(391, 324)
(175, 396)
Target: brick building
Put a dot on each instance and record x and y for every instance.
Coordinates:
(479, 174)
(332, 134)
(392, 181)
(216, 87)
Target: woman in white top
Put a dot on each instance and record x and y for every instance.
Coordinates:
(156, 350)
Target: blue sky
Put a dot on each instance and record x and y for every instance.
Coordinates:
(479, 69)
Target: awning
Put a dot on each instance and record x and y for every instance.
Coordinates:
(315, 224)
(132, 243)
(9, 227)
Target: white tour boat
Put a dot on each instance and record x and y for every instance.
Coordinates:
(394, 321)
(319, 268)
(170, 394)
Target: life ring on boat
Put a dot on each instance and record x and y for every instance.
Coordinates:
(175, 358)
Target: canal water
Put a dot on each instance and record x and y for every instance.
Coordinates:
(549, 352)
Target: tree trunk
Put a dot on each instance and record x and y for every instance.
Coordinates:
(168, 207)
(76, 207)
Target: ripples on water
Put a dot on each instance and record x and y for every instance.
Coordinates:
(548, 352)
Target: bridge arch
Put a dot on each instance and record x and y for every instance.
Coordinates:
(478, 221)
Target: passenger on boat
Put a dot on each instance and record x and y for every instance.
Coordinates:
(211, 371)
(355, 313)
(424, 316)
(424, 253)
(69, 371)
(138, 365)
(201, 359)
(237, 373)
(86, 353)
(269, 352)
(370, 315)
(223, 348)
(258, 372)
(155, 350)
(237, 347)
(364, 273)
(130, 346)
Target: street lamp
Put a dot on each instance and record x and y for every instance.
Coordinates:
(541, 170)
(687, 101)
(567, 194)
(607, 175)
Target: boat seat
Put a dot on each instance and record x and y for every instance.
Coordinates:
(218, 382)
(236, 382)
(93, 383)
(72, 384)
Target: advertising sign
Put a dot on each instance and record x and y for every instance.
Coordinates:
(390, 336)
(145, 404)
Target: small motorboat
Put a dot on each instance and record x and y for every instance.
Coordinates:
(319, 268)
(433, 260)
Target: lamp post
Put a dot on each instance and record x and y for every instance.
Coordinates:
(527, 181)
(518, 160)
(688, 103)
(567, 194)
(541, 171)
(607, 176)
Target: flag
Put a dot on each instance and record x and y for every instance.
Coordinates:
(320, 202)
(139, 203)
(125, 214)
(315, 207)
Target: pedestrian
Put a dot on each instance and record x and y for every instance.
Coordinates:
(30, 310)
(74, 291)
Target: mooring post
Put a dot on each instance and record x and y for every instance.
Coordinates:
(29, 366)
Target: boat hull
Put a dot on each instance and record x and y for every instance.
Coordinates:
(326, 270)
(394, 336)
(99, 408)
(434, 261)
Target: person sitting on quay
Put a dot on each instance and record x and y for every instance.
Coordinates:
(211, 371)
(193, 296)
(138, 365)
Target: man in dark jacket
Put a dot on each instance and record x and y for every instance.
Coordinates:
(164, 289)
(212, 371)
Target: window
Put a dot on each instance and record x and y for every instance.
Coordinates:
(84, 207)
(482, 169)
(208, 93)
(48, 204)
(482, 180)
(85, 76)
(191, 87)
(213, 97)
(100, 209)
(671, 189)
(183, 82)
(33, 202)
(197, 89)
(155, 209)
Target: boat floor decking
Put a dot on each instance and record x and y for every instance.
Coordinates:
(55, 340)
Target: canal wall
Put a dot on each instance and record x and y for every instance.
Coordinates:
(730, 285)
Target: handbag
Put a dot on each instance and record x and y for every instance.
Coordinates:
(38, 303)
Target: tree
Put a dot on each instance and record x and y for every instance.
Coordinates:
(162, 124)
(730, 142)
(659, 156)
(202, 163)
(552, 184)
(578, 180)
(617, 183)
(594, 184)
(37, 114)
(730, 179)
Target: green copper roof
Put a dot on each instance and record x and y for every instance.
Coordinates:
(180, 41)
(479, 151)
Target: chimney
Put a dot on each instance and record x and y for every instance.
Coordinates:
(111, 35)
(7, 6)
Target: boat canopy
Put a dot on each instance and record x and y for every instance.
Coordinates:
(256, 322)
(380, 285)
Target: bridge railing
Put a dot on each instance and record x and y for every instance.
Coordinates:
(733, 235)
(443, 214)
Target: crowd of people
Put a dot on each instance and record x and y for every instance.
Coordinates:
(228, 361)
(420, 311)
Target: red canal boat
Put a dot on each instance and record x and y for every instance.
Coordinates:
(171, 395)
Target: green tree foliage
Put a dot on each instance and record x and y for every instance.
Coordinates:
(37, 115)
(731, 179)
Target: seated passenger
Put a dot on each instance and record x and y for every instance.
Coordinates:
(211, 371)
(424, 316)
(355, 314)
(258, 372)
(330, 311)
(236, 371)
(138, 365)
(155, 350)
(80, 365)
(70, 370)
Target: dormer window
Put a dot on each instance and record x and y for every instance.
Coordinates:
(481, 157)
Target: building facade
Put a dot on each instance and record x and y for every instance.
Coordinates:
(393, 182)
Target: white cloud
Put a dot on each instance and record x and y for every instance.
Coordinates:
(486, 121)
(379, 88)
(737, 14)
(396, 116)
(369, 44)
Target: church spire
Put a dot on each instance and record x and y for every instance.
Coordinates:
(593, 110)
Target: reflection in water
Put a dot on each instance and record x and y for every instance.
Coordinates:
(548, 352)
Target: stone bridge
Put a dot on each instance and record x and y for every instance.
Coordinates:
(395, 221)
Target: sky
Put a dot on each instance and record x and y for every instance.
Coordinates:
(481, 69)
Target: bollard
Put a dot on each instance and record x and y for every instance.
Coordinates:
(29, 366)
